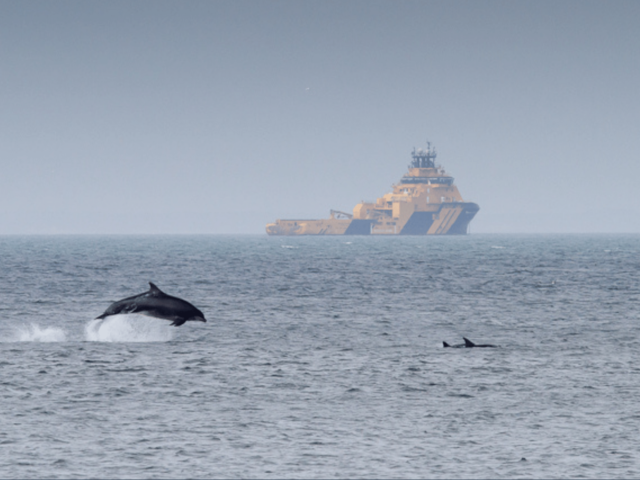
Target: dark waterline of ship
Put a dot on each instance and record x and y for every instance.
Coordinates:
(322, 357)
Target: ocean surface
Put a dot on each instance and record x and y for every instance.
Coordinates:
(322, 357)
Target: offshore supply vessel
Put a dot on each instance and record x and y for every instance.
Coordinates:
(425, 202)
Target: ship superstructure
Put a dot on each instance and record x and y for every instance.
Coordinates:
(425, 202)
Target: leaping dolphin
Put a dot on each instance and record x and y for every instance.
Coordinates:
(468, 344)
(156, 303)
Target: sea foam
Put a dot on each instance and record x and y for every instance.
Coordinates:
(128, 328)
(33, 333)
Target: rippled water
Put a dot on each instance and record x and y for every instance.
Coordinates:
(322, 357)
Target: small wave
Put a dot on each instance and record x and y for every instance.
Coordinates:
(128, 328)
(33, 333)
(496, 246)
(288, 246)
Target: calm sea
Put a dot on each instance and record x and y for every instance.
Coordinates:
(322, 357)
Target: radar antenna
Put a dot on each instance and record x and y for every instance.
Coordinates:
(424, 158)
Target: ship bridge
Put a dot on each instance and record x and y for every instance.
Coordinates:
(423, 169)
(429, 180)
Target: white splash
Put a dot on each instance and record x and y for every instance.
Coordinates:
(33, 333)
(128, 328)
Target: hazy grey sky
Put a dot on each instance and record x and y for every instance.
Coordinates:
(218, 117)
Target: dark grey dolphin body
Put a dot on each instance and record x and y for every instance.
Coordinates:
(156, 303)
(468, 344)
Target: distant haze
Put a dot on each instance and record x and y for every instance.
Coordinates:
(218, 117)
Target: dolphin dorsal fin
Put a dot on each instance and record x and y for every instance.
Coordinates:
(154, 289)
(445, 345)
(468, 343)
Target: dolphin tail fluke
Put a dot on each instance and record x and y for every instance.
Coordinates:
(104, 315)
(468, 343)
(445, 345)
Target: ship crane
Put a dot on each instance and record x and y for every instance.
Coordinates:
(339, 214)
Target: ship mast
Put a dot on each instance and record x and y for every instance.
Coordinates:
(424, 158)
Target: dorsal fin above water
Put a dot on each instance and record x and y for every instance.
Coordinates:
(154, 289)
(445, 345)
(468, 343)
